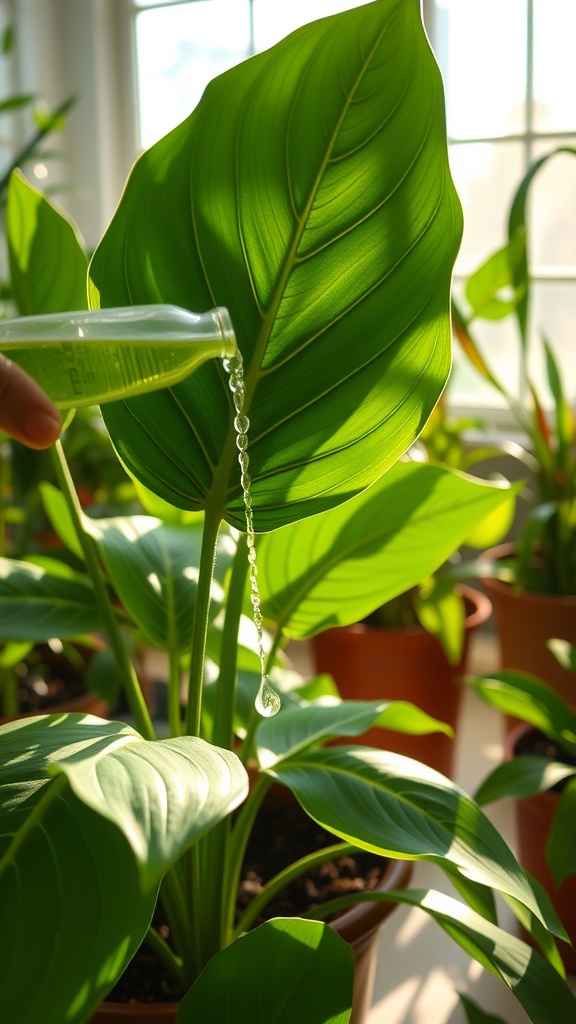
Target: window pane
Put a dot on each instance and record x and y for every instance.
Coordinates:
(554, 315)
(481, 48)
(273, 21)
(554, 65)
(180, 49)
(486, 176)
(552, 212)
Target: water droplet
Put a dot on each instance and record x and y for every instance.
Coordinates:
(267, 701)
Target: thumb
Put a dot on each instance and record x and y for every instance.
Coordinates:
(26, 413)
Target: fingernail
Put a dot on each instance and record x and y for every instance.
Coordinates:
(42, 428)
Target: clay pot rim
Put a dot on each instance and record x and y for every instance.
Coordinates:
(480, 613)
(501, 587)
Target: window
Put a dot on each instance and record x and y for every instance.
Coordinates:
(510, 81)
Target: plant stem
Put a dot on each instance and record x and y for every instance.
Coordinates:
(223, 731)
(236, 851)
(8, 693)
(132, 689)
(213, 847)
(283, 878)
(200, 626)
(343, 902)
(171, 962)
(174, 717)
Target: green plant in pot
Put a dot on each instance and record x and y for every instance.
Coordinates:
(539, 775)
(543, 561)
(309, 193)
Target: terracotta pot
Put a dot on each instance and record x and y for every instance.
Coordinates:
(358, 926)
(525, 620)
(534, 816)
(409, 664)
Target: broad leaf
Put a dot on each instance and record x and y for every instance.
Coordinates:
(398, 807)
(334, 569)
(321, 213)
(72, 907)
(286, 970)
(72, 910)
(162, 795)
(38, 603)
(153, 567)
(294, 729)
(536, 985)
(48, 263)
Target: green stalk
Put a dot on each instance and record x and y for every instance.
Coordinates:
(8, 693)
(223, 733)
(200, 626)
(172, 963)
(174, 718)
(236, 851)
(283, 878)
(213, 847)
(132, 689)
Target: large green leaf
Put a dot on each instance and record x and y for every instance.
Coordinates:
(38, 603)
(153, 567)
(48, 264)
(398, 807)
(286, 970)
(162, 795)
(334, 569)
(91, 816)
(309, 193)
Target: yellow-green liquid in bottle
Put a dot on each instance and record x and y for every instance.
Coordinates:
(98, 356)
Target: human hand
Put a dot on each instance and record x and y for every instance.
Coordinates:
(26, 413)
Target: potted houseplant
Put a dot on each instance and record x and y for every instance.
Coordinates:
(99, 819)
(539, 775)
(540, 601)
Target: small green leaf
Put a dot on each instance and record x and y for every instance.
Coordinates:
(561, 846)
(531, 700)
(285, 971)
(475, 1014)
(484, 286)
(521, 777)
(295, 729)
(59, 517)
(37, 603)
(48, 265)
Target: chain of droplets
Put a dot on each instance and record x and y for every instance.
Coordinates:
(267, 701)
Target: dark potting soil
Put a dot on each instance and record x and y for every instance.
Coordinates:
(45, 681)
(536, 744)
(283, 834)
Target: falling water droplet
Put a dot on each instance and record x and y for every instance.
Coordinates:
(267, 702)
